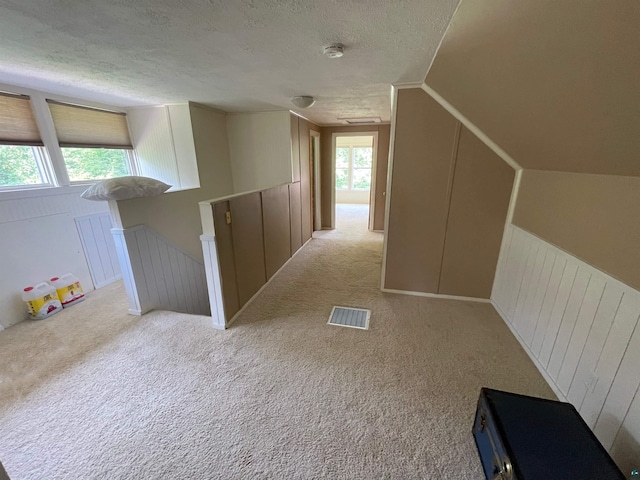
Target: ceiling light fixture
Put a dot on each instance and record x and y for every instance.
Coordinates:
(335, 50)
(303, 101)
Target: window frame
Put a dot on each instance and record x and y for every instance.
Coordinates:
(351, 168)
(44, 167)
(49, 158)
(132, 165)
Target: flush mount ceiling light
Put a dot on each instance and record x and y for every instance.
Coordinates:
(303, 101)
(335, 50)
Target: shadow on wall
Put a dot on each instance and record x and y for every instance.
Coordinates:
(625, 451)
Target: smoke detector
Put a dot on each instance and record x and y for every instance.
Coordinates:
(335, 50)
(303, 101)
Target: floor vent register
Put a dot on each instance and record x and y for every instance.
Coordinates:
(350, 317)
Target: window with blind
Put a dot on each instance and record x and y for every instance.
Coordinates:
(23, 159)
(95, 143)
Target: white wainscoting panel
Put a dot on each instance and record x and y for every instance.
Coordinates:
(39, 240)
(580, 327)
(157, 275)
(99, 248)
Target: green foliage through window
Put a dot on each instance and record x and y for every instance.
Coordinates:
(353, 168)
(18, 166)
(95, 163)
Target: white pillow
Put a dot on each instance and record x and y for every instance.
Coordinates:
(122, 188)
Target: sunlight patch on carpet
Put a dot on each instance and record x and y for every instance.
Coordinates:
(350, 317)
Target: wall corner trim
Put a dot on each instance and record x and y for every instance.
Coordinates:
(472, 127)
(400, 86)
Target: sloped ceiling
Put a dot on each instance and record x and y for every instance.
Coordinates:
(556, 84)
(237, 55)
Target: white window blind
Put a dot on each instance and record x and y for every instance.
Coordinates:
(17, 124)
(85, 127)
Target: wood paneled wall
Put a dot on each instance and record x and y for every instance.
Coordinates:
(482, 185)
(580, 327)
(421, 179)
(265, 231)
(276, 220)
(449, 199)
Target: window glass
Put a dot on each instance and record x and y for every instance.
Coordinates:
(342, 157)
(95, 163)
(342, 178)
(361, 178)
(362, 157)
(20, 165)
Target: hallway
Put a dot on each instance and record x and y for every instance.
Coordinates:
(94, 393)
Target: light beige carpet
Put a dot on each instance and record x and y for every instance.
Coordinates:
(93, 393)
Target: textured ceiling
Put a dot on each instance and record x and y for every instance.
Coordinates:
(242, 55)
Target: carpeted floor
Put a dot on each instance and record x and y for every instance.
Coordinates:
(93, 393)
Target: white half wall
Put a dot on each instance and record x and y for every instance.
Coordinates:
(260, 150)
(579, 326)
(39, 240)
(157, 275)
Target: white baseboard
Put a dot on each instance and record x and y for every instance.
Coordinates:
(437, 295)
(530, 354)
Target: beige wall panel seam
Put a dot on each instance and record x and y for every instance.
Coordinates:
(450, 180)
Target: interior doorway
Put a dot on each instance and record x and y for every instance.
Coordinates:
(354, 158)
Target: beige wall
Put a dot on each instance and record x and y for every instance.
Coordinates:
(594, 217)
(555, 84)
(381, 169)
(449, 199)
(424, 138)
(482, 185)
(260, 149)
(176, 215)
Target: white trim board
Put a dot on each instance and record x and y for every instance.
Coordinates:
(472, 127)
(387, 203)
(437, 295)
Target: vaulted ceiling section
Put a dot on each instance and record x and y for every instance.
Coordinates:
(555, 83)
